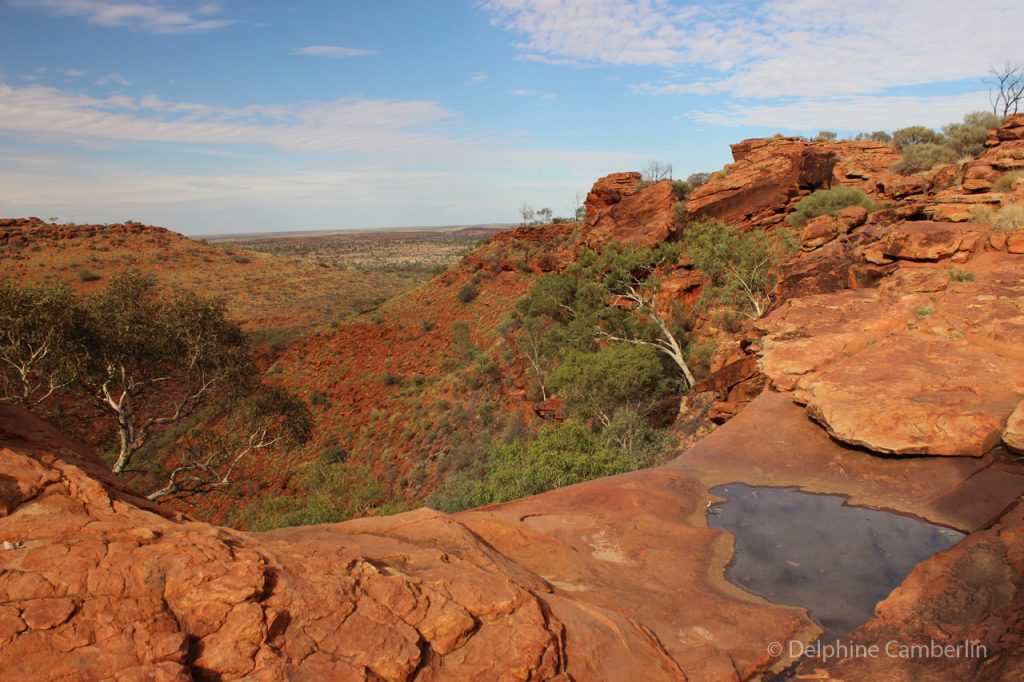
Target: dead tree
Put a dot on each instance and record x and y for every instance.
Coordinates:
(1006, 88)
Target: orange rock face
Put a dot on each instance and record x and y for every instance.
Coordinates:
(921, 365)
(620, 208)
(96, 583)
(770, 175)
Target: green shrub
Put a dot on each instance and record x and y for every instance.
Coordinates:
(914, 135)
(630, 435)
(268, 513)
(825, 136)
(365, 304)
(426, 325)
(968, 138)
(467, 293)
(562, 454)
(959, 275)
(828, 202)
(737, 266)
(88, 275)
(917, 158)
(876, 136)
(681, 189)
(1006, 180)
(333, 454)
(695, 180)
(594, 385)
(699, 355)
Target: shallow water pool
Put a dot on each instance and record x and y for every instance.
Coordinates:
(811, 550)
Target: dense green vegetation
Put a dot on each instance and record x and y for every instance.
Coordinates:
(560, 455)
(923, 148)
(332, 491)
(737, 266)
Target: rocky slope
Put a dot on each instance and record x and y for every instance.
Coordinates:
(263, 292)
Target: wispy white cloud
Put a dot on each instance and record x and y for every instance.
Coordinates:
(535, 94)
(855, 113)
(391, 132)
(774, 48)
(73, 73)
(344, 125)
(476, 78)
(152, 16)
(334, 51)
(112, 79)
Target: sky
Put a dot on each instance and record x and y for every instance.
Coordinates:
(248, 116)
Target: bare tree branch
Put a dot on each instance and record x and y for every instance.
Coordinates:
(1006, 88)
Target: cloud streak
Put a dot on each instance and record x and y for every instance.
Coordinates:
(345, 125)
(151, 16)
(858, 113)
(332, 51)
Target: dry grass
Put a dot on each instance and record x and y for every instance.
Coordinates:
(272, 292)
(1006, 180)
(1009, 218)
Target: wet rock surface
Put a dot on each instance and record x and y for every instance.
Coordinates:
(813, 550)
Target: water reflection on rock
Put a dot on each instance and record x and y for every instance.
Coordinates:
(813, 551)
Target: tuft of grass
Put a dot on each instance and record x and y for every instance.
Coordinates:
(960, 275)
(1010, 218)
(1006, 180)
(87, 275)
(467, 293)
(926, 311)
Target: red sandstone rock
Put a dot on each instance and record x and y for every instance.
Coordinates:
(819, 231)
(620, 208)
(923, 240)
(1013, 432)
(915, 367)
(767, 176)
(1015, 242)
(101, 584)
(852, 216)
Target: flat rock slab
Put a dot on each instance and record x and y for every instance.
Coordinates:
(921, 365)
(638, 543)
(773, 442)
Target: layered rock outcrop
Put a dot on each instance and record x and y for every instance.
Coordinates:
(768, 176)
(919, 355)
(621, 208)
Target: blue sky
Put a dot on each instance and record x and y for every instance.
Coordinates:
(243, 116)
